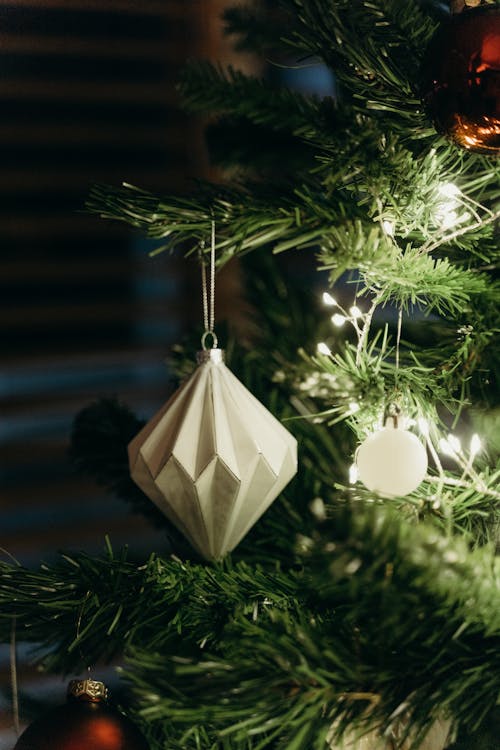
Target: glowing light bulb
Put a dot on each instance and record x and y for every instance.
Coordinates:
(388, 227)
(317, 508)
(323, 348)
(338, 320)
(355, 312)
(423, 426)
(449, 218)
(445, 447)
(450, 446)
(328, 299)
(475, 445)
(446, 210)
(354, 407)
(449, 190)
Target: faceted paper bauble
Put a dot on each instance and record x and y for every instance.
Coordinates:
(461, 79)
(86, 722)
(213, 458)
(435, 739)
(392, 461)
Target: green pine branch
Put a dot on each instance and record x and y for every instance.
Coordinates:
(417, 279)
(380, 608)
(206, 87)
(374, 49)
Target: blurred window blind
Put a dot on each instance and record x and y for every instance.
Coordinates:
(87, 94)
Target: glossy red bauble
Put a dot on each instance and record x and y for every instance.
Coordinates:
(461, 79)
(82, 724)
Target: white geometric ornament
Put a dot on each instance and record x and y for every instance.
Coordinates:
(213, 459)
(436, 738)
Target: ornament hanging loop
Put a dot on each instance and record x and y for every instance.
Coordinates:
(392, 411)
(215, 341)
(208, 296)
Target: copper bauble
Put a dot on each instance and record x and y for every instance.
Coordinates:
(86, 722)
(461, 79)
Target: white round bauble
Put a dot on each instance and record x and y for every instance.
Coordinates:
(392, 461)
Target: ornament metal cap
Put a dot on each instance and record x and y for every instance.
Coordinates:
(210, 355)
(93, 691)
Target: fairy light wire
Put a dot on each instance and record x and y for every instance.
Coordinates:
(398, 343)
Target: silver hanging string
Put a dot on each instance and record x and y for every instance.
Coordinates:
(78, 631)
(13, 677)
(208, 296)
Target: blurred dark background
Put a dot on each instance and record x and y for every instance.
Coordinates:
(87, 94)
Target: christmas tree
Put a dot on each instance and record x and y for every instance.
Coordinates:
(358, 612)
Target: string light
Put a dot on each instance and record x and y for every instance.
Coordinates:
(329, 300)
(445, 448)
(317, 508)
(354, 407)
(338, 320)
(449, 190)
(323, 348)
(449, 218)
(476, 445)
(446, 210)
(450, 446)
(388, 227)
(423, 426)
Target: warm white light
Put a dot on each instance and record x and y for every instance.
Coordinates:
(446, 211)
(450, 446)
(447, 216)
(388, 227)
(445, 447)
(323, 348)
(423, 426)
(353, 474)
(338, 320)
(328, 299)
(475, 445)
(317, 508)
(449, 190)
(354, 407)
(355, 312)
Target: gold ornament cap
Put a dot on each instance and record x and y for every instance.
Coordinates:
(92, 691)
